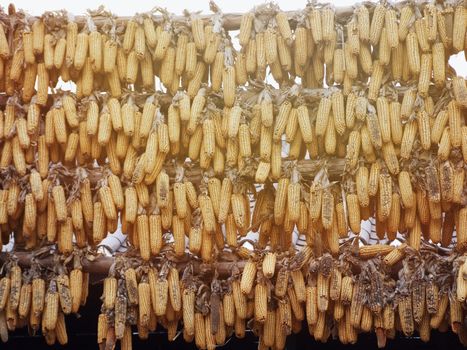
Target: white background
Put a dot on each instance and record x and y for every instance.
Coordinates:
(129, 7)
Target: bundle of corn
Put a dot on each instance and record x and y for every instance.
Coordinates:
(378, 289)
(40, 299)
(379, 129)
(75, 165)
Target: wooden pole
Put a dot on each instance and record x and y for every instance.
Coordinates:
(231, 21)
(308, 169)
(101, 264)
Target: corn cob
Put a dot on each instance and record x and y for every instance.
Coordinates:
(50, 315)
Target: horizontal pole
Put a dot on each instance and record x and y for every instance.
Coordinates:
(101, 264)
(308, 169)
(230, 21)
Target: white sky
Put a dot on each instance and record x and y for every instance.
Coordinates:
(128, 8)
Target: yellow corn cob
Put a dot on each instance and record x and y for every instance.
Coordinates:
(260, 52)
(270, 46)
(425, 74)
(197, 29)
(408, 138)
(30, 212)
(102, 328)
(228, 81)
(76, 288)
(191, 59)
(395, 122)
(322, 287)
(167, 67)
(163, 42)
(315, 25)
(353, 40)
(405, 186)
(28, 48)
(385, 195)
(439, 65)
(21, 130)
(200, 330)
(109, 59)
(363, 21)
(241, 75)
(444, 147)
(110, 292)
(139, 42)
(250, 57)
(58, 195)
(376, 79)
(98, 227)
(179, 235)
(458, 28)
(50, 315)
(398, 61)
(81, 50)
(413, 54)
(351, 63)
(327, 208)
(454, 124)
(207, 211)
(371, 251)
(283, 26)
(245, 28)
(327, 23)
(338, 110)
(129, 36)
(95, 50)
(142, 226)
(174, 289)
(293, 201)
(305, 123)
(377, 23)
(65, 237)
(384, 118)
(59, 126)
(354, 212)
(16, 67)
(322, 117)
(341, 218)
(338, 67)
(460, 90)
(212, 45)
(353, 149)
(390, 23)
(180, 54)
(4, 47)
(37, 296)
(406, 17)
(42, 84)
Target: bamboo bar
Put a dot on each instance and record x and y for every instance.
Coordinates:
(307, 168)
(231, 21)
(102, 264)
